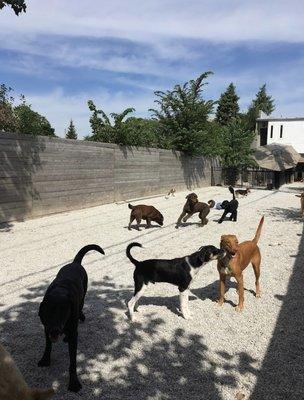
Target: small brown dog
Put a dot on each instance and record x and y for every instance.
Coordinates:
(242, 192)
(193, 206)
(302, 203)
(12, 383)
(238, 256)
(170, 193)
(149, 213)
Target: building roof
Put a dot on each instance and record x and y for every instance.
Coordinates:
(269, 119)
(276, 157)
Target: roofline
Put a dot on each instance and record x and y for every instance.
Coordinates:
(280, 119)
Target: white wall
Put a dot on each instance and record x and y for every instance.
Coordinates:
(293, 133)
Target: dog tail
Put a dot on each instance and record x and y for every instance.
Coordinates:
(231, 190)
(128, 252)
(130, 206)
(81, 253)
(211, 203)
(258, 232)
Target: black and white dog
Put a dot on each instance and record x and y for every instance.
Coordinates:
(179, 272)
(61, 308)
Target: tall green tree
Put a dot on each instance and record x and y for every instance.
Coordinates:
(18, 6)
(71, 133)
(8, 118)
(31, 122)
(228, 107)
(262, 102)
(235, 150)
(183, 116)
(102, 128)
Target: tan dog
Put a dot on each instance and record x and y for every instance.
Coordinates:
(302, 203)
(12, 384)
(238, 256)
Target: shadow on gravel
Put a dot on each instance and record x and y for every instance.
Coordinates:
(282, 374)
(118, 359)
(280, 214)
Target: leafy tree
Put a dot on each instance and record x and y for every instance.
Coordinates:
(235, 150)
(183, 116)
(17, 5)
(71, 133)
(262, 102)
(228, 106)
(103, 130)
(8, 118)
(141, 132)
(31, 122)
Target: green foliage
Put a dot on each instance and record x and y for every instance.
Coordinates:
(32, 123)
(71, 133)
(141, 132)
(8, 118)
(183, 116)
(228, 107)
(18, 6)
(235, 149)
(262, 102)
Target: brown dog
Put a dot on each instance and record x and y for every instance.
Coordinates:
(302, 202)
(238, 256)
(12, 384)
(149, 213)
(193, 206)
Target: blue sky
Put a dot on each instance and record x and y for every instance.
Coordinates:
(62, 53)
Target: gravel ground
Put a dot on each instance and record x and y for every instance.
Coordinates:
(219, 354)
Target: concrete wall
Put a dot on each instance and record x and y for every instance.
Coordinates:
(40, 176)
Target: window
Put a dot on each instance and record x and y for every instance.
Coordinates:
(281, 131)
(271, 131)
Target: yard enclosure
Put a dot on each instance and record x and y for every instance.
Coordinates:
(41, 175)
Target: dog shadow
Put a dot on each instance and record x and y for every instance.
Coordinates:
(134, 227)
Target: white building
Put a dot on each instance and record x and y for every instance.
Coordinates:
(289, 131)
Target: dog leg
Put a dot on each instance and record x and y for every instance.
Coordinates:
(46, 358)
(137, 295)
(131, 220)
(221, 299)
(148, 223)
(185, 219)
(223, 217)
(180, 219)
(184, 303)
(240, 283)
(74, 384)
(256, 268)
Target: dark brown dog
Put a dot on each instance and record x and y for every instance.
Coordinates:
(194, 206)
(238, 256)
(149, 213)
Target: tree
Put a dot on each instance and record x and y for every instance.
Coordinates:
(183, 116)
(71, 133)
(235, 151)
(103, 130)
(8, 119)
(262, 102)
(18, 6)
(31, 122)
(141, 132)
(228, 106)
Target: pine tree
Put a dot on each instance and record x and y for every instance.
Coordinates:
(228, 106)
(262, 102)
(71, 133)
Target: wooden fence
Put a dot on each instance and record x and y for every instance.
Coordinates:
(40, 175)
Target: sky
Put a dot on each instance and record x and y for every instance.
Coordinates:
(62, 53)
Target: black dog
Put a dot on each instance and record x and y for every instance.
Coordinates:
(179, 271)
(230, 207)
(61, 308)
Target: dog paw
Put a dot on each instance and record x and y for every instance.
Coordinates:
(220, 302)
(219, 222)
(239, 308)
(258, 295)
(44, 362)
(74, 386)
